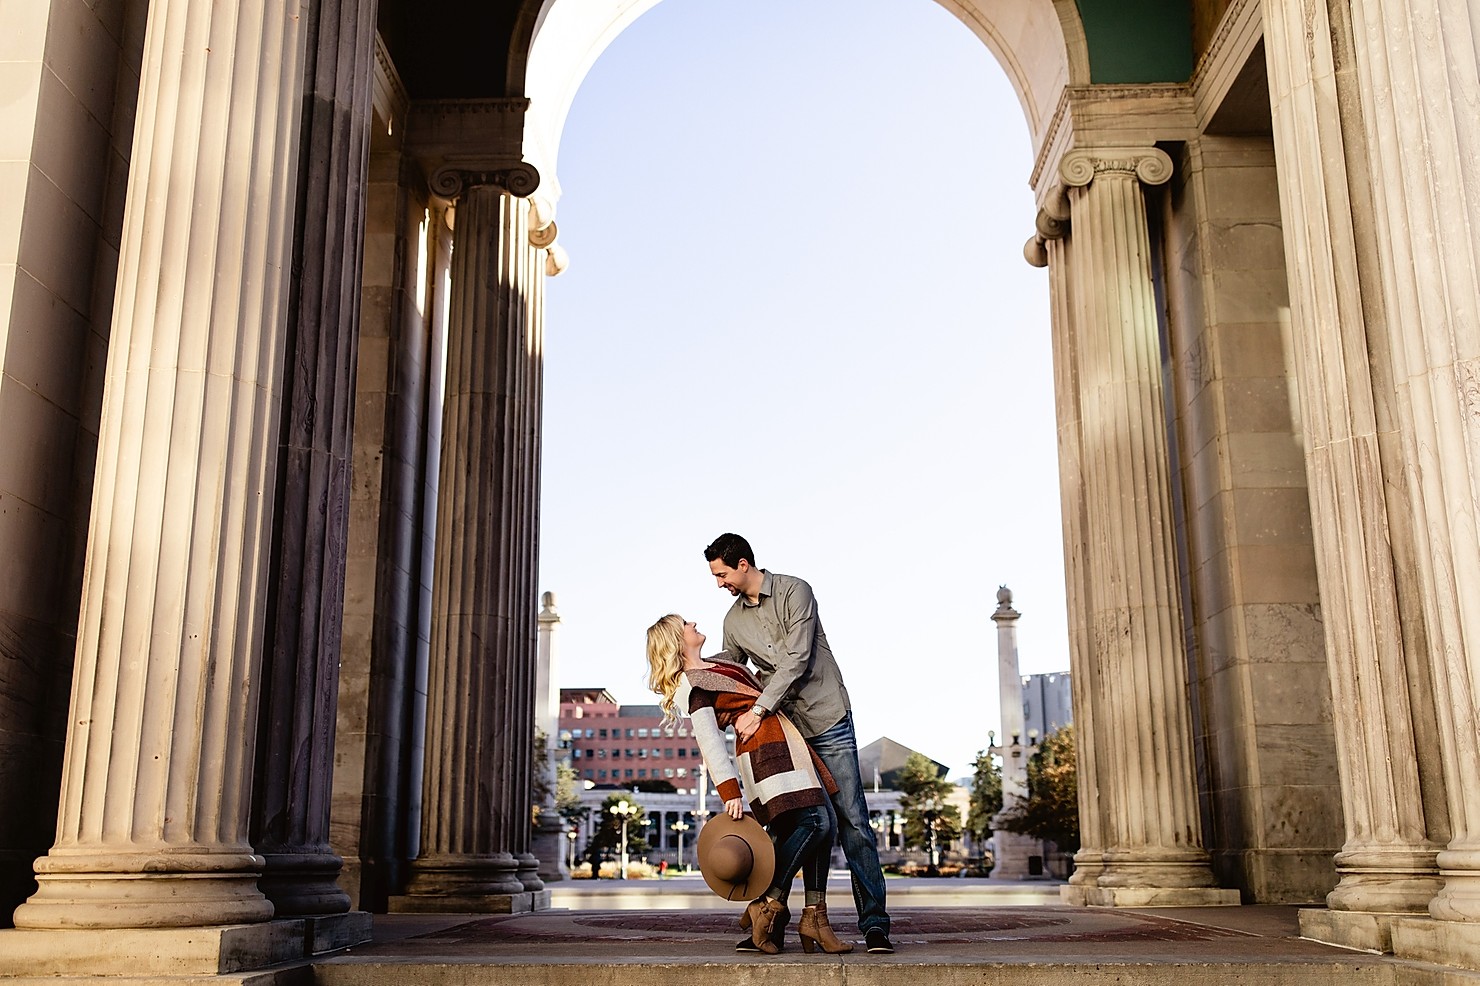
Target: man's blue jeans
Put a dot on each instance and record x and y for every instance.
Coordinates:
(837, 747)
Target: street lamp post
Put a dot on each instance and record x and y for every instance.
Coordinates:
(929, 810)
(571, 835)
(626, 811)
(680, 827)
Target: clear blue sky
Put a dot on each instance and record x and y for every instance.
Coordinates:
(797, 309)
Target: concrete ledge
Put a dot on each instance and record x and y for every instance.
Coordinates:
(296, 975)
(856, 970)
(1452, 943)
(521, 903)
(149, 953)
(1366, 930)
(1148, 896)
(329, 932)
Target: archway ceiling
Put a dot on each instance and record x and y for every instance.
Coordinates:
(1138, 40)
(460, 48)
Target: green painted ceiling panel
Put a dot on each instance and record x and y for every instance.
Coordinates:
(1138, 40)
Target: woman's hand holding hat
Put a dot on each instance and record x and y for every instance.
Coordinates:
(735, 808)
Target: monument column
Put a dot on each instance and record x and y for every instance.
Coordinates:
(152, 830)
(1387, 743)
(1417, 65)
(549, 834)
(476, 791)
(295, 744)
(1153, 852)
(1012, 848)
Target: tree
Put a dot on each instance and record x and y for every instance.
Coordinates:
(1052, 808)
(929, 821)
(608, 838)
(986, 796)
(568, 794)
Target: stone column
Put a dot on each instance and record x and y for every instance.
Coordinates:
(153, 819)
(1153, 852)
(1387, 740)
(295, 742)
(480, 715)
(1420, 78)
(549, 836)
(1050, 247)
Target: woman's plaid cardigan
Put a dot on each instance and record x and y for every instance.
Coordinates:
(776, 768)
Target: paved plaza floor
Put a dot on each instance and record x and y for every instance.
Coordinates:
(984, 942)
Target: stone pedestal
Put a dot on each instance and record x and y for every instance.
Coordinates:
(1370, 931)
(520, 903)
(1453, 943)
(1011, 854)
(1152, 839)
(152, 829)
(331, 932)
(549, 846)
(149, 952)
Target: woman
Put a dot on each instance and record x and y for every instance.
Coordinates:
(787, 785)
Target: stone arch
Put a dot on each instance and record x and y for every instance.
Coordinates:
(1040, 45)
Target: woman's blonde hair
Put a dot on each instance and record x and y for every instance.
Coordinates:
(665, 661)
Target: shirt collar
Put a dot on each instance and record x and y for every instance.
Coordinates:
(765, 591)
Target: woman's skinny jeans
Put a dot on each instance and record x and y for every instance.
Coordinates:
(804, 841)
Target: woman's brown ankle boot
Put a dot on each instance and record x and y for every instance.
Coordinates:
(814, 930)
(760, 915)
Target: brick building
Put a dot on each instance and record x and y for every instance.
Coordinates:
(614, 745)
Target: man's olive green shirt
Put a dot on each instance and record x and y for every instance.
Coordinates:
(781, 635)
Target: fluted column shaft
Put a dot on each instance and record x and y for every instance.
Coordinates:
(1146, 777)
(1386, 737)
(1085, 679)
(153, 817)
(295, 746)
(1418, 66)
(480, 715)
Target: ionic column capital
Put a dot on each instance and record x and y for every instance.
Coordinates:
(1149, 165)
(455, 177)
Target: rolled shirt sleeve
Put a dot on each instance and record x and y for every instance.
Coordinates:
(797, 610)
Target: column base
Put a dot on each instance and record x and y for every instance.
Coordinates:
(1013, 851)
(520, 903)
(330, 932)
(145, 953)
(528, 873)
(1452, 943)
(549, 845)
(1148, 896)
(1370, 931)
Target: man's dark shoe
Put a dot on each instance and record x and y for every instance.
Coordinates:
(778, 934)
(877, 941)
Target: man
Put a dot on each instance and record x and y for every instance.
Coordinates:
(773, 624)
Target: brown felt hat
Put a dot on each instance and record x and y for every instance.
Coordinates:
(736, 858)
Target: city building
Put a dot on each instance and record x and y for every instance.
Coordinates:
(614, 745)
(1048, 703)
